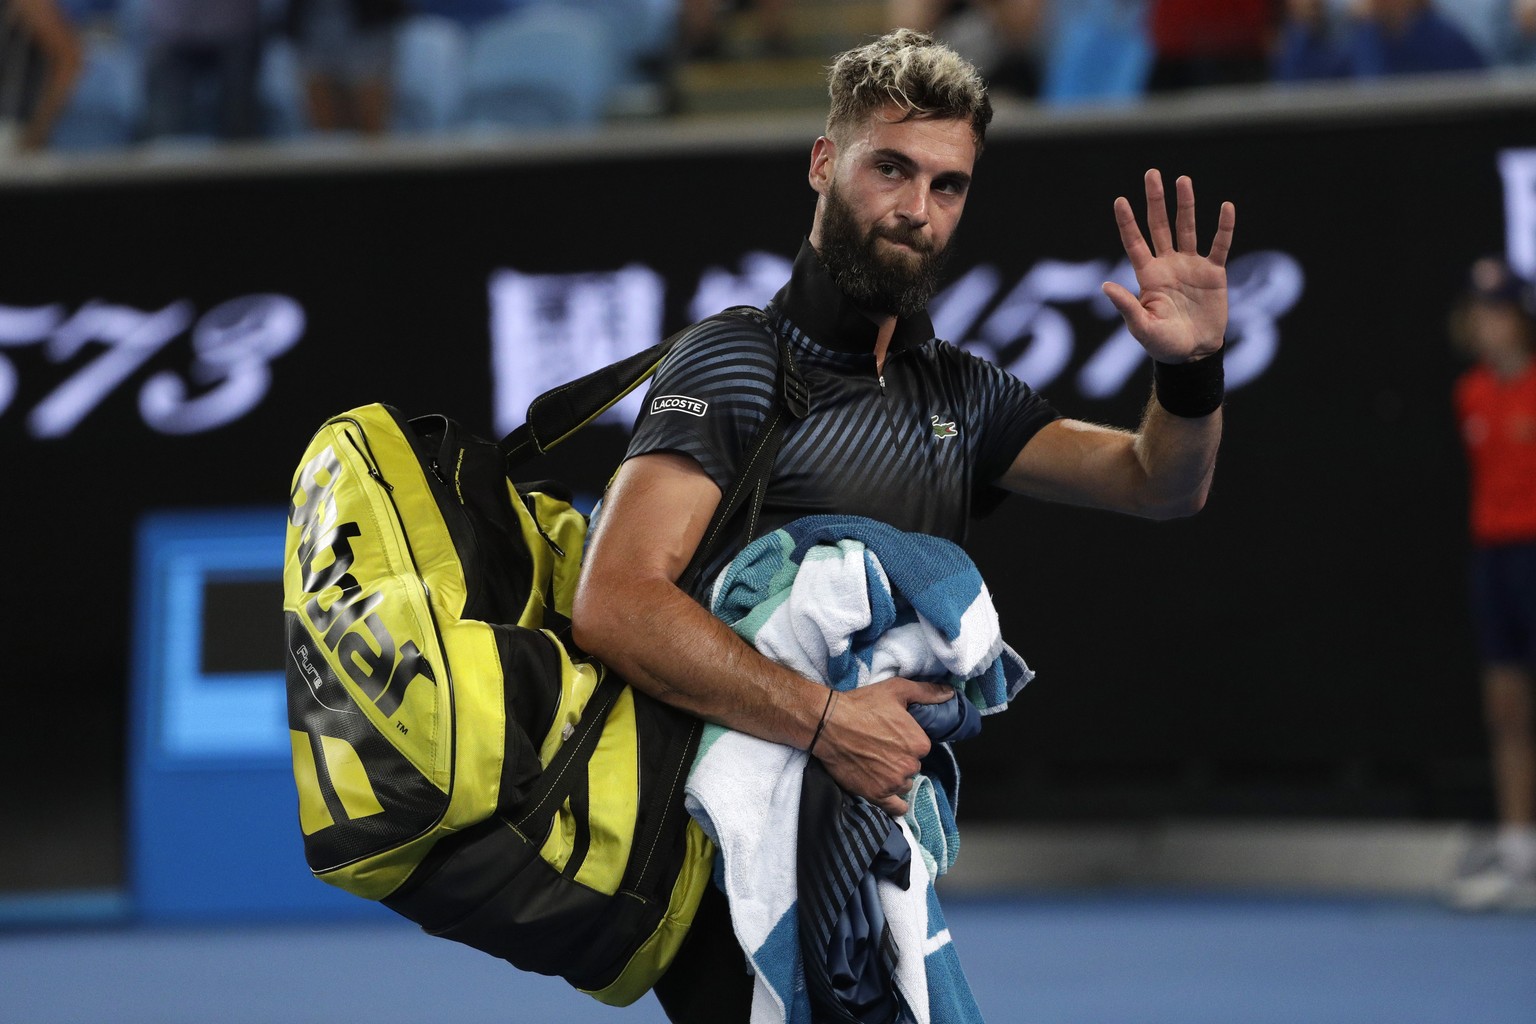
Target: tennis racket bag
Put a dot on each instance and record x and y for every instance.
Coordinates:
(457, 758)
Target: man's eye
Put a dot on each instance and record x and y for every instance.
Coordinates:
(889, 170)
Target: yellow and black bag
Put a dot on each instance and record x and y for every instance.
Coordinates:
(456, 757)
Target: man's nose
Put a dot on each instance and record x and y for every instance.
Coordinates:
(914, 205)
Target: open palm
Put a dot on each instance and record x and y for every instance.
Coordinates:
(1181, 314)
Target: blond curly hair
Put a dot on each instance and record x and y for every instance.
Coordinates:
(920, 75)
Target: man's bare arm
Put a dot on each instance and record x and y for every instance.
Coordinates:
(1163, 469)
(630, 613)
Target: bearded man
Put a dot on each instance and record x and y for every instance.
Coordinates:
(903, 428)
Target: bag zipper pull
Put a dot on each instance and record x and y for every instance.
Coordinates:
(373, 470)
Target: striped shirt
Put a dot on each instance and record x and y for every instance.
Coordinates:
(918, 446)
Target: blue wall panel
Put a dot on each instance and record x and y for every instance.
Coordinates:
(213, 816)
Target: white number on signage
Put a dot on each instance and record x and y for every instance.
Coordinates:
(232, 345)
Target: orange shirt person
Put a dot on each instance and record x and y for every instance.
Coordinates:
(1496, 409)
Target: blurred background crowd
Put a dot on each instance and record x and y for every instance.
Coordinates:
(93, 75)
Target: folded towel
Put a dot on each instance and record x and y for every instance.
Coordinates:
(848, 601)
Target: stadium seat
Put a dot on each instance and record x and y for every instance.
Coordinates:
(1098, 54)
(467, 13)
(128, 22)
(545, 67)
(108, 102)
(430, 52)
(282, 91)
(639, 28)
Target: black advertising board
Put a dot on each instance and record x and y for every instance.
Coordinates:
(169, 343)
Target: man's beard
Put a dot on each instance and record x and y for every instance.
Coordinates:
(884, 284)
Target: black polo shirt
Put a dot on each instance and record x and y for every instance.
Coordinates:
(918, 446)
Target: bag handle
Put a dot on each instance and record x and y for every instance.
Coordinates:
(560, 412)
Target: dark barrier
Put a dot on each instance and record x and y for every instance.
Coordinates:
(169, 343)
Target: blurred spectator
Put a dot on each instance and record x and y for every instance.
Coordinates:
(346, 51)
(1399, 37)
(469, 13)
(1525, 20)
(1001, 37)
(1307, 49)
(703, 36)
(1496, 409)
(41, 56)
(1517, 34)
(1199, 43)
(202, 62)
(1503, 31)
(1485, 23)
(1384, 37)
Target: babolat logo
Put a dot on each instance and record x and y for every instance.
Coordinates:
(679, 403)
(349, 625)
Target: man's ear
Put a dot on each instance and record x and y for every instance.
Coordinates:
(823, 156)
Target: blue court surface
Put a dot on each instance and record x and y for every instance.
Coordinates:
(1091, 958)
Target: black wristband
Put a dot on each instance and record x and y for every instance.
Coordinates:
(1190, 390)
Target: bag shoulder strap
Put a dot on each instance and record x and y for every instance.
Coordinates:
(794, 402)
(562, 411)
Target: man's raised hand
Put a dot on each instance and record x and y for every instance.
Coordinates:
(1181, 314)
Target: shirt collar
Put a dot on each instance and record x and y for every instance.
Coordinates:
(814, 303)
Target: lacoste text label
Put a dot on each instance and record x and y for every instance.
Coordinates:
(678, 403)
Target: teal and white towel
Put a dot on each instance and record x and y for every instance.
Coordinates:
(847, 601)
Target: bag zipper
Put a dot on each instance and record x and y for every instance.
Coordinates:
(365, 451)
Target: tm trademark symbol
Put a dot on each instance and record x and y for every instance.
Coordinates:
(402, 728)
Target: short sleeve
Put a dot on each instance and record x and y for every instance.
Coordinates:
(1008, 413)
(710, 396)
